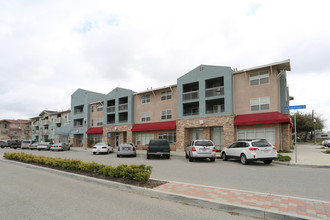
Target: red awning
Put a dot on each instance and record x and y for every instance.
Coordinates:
(262, 118)
(156, 126)
(96, 130)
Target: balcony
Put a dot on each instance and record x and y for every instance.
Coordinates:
(35, 132)
(45, 132)
(123, 107)
(44, 122)
(35, 123)
(111, 108)
(216, 91)
(190, 95)
(58, 120)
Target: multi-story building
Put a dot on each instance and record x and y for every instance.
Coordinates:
(209, 102)
(80, 114)
(260, 94)
(15, 129)
(50, 125)
(205, 106)
(118, 116)
(155, 115)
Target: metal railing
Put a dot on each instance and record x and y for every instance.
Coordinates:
(190, 113)
(111, 109)
(215, 91)
(190, 95)
(123, 107)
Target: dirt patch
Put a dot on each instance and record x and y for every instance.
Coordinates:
(148, 184)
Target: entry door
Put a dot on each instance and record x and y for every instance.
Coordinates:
(117, 139)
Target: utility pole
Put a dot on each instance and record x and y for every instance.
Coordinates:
(314, 121)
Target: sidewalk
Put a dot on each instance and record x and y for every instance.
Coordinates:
(251, 203)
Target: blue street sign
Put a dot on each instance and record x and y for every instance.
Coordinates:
(295, 107)
(109, 134)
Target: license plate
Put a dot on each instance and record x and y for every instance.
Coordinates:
(125, 148)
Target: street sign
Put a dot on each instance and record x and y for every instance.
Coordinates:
(294, 107)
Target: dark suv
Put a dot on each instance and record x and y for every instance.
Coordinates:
(158, 147)
(14, 144)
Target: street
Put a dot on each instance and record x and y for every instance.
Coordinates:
(28, 193)
(311, 183)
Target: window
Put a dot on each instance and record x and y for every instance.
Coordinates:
(145, 116)
(143, 139)
(171, 137)
(100, 108)
(166, 95)
(259, 78)
(145, 99)
(258, 133)
(166, 114)
(259, 104)
(92, 108)
(92, 123)
(99, 122)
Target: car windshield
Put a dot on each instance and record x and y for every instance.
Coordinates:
(261, 144)
(204, 143)
(158, 142)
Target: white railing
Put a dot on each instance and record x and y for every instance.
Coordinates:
(190, 95)
(123, 107)
(214, 91)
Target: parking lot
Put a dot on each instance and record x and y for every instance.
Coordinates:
(274, 178)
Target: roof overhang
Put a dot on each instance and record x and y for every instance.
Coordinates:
(282, 65)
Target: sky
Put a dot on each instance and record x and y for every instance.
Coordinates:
(49, 49)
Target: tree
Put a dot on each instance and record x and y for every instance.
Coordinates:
(305, 123)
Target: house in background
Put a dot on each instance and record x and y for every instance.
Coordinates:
(15, 129)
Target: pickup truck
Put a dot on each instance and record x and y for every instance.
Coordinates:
(14, 144)
(158, 147)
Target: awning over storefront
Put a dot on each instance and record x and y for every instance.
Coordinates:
(156, 126)
(262, 118)
(96, 130)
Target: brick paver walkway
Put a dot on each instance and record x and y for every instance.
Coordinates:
(286, 205)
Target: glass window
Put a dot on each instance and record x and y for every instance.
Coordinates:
(146, 116)
(170, 137)
(259, 78)
(100, 108)
(262, 103)
(166, 95)
(145, 99)
(143, 139)
(166, 114)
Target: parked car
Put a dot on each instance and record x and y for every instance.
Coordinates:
(102, 148)
(158, 147)
(14, 144)
(328, 144)
(126, 149)
(3, 144)
(26, 144)
(249, 150)
(44, 145)
(60, 146)
(34, 145)
(201, 149)
(325, 142)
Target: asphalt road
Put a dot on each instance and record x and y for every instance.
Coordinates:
(28, 193)
(302, 182)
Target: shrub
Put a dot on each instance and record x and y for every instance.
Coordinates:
(327, 151)
(283, 158)
(132, 172)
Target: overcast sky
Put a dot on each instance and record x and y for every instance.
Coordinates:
(49, 49)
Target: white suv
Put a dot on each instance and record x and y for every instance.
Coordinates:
(201, 149)
(248, 150)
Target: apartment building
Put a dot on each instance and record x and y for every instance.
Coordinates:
(80, 114)
(155, 114)
(15, 129)
(205, 106)
(260, 94)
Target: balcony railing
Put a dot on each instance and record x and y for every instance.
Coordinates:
(78, 125)
(58, 120)
(35, 123)
(222, 109)
(111, 109)
(46, 132)
(44, 122)
(190, 95)
(78, 111)
(214, 91)
(190, 113)
(123, 107)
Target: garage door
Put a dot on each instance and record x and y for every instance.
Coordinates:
(259, 133)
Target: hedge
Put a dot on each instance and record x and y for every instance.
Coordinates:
(139, 173)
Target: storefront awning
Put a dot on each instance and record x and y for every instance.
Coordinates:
(262, 118)
(96, 130)
(156, 126)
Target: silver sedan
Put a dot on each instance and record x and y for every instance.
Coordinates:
(126, 149)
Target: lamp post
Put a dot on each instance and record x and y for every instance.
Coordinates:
(314, 121)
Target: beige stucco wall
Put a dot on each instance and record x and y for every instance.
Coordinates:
(156, 105)
(95, 115)
(243, 92)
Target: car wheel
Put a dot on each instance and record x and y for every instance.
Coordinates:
(243, 159)
(169, 156)
(148, 156)
(224, 156)
(186, 154)
(94, 153)
(268, 161)
(68, 148)
(212, 159)
(191, 159)
(38, 149)
(117, 155)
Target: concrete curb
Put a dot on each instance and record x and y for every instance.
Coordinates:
(300, 165)
(200, 202)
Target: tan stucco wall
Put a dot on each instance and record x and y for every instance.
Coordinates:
(155, 106)
(243, 92)
(95, 115)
